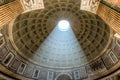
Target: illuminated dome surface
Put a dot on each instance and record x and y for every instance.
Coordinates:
(39, 37)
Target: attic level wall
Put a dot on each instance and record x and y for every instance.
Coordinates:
(20, 67)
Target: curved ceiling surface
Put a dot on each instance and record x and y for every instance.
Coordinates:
(37, 38)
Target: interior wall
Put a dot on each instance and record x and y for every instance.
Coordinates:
(9, 10)
(3, 2)
(114, 2)
(113, 76)
(110, 15)
(20, 68)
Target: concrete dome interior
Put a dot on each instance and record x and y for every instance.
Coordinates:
(31, 29)
(59, 40)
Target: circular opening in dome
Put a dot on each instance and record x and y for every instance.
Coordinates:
(63, 25)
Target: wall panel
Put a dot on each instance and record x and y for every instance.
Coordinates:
(10, 11)
(110, 16)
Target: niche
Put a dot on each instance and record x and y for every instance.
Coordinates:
(36, 74)
(1, 40)
(50, 75)
(113, 57)
(21, 68)
(118, 42)
(8, 59)
(76, 74)
(64, 77)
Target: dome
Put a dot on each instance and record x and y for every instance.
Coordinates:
(36, 36)
(59, 40)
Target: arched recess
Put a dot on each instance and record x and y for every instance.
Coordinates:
(64, 76)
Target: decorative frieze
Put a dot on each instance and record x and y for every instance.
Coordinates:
(32, 4)
(90, 5)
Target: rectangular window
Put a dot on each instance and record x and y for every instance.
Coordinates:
(3, 53)
(113, 57)
(2, 41)
(50, 75)
(77, 74)
(118, 42)
(8, 59)
(36, 74)
(21, 68)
